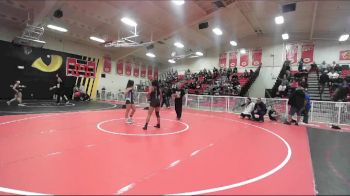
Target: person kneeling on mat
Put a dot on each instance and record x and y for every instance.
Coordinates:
(272, 114)
(249, 107)
(178, 95)
(260, 110)
(155, 96)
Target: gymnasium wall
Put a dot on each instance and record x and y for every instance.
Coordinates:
(64, 47)
(114, 82)
(39, 70)
(272, 60)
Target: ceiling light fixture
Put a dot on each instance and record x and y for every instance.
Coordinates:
(178, 2)
(344, 37)
(171, 61)
(243, 51)
(97, 39)
(217, 31)
(128, 21)
(233, 43)
(179, 45)
(279, 19)
(57, 28)
(285, 36)
(199, 53)
(150, 54)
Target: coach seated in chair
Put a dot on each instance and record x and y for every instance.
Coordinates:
(260, 110)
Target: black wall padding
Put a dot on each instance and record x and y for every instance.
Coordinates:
(37, 82)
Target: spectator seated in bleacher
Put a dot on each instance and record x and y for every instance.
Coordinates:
(333, 78)
(251, 72)
(235, 70)
(322, 67)
(341, 92)
(303, 83)
(314, 67)
(245, 74)
(282, 88)
(301, 65)
(260, 110)
(337, 68)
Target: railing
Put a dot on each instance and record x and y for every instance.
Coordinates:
(274, 89)
(321, 111)
(250, 82)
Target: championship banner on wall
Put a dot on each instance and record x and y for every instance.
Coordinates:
(150, 72)
(344, 55)
(143, 70)
(233, 59)
(244, 59)
(156, 73)
(292, 53)
(222, 60)
(120, 67)
(136, 70)
(80, 68)
(307, 53)
(256, 56)
(128, 68)
(107, 64)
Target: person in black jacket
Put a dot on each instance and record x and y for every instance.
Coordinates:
(297, 104)
(260, 110)
(178, 95)
(324, 79)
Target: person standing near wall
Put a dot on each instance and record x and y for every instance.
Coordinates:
(178, 94)
(129, 101)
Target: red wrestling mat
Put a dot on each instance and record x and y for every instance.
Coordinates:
(205, 153)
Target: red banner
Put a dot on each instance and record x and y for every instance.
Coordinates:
(128, 68)
(136, 70)
(256, 56)
(233, 59)
(107, 64)
(244, 59)
(344, 55)
(120, 67)
(156, 73)
(292, 53)
(150, 72)
(307, 53)
(143, 71)
(222, 60)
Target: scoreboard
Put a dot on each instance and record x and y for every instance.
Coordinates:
(80, 68)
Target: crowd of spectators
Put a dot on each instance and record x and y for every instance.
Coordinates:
(332, 75)
(223, 81)
(336, 78)
(293, 80)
